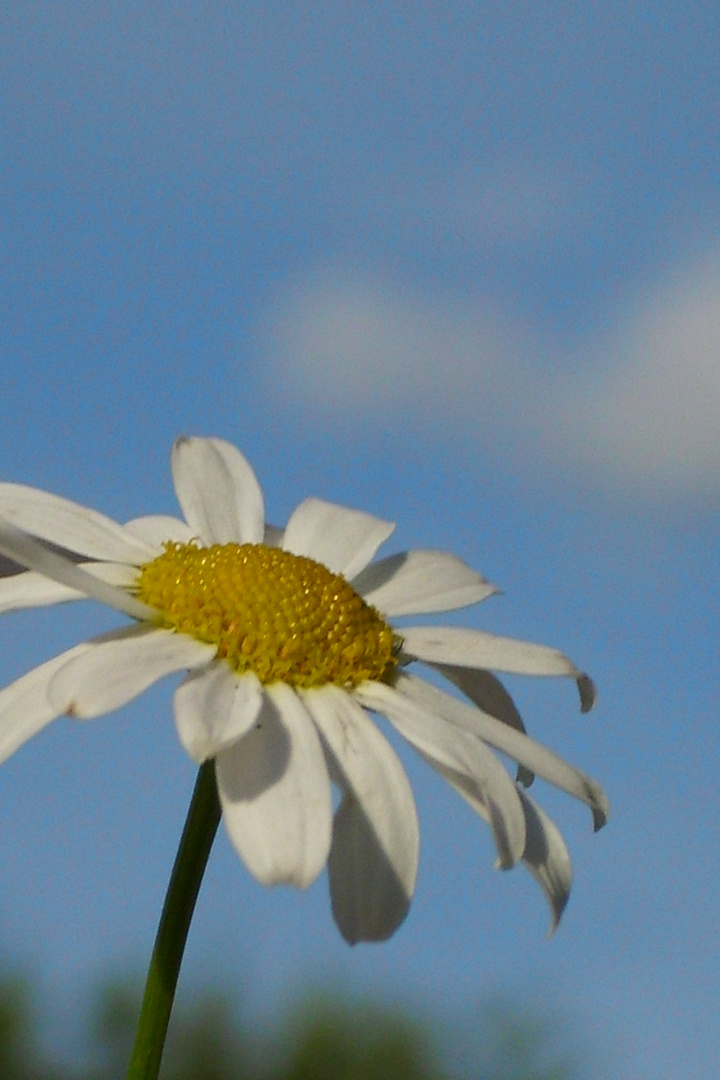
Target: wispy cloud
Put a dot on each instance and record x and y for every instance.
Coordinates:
(639, 403)
(651, 409)
(358, 346)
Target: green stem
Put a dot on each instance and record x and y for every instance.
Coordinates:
(195, 844)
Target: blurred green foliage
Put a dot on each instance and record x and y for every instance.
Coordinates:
(323, 1038)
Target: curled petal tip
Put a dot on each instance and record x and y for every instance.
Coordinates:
(553, 927)
(558, 910)
(597, 800)
(524, 776)
(588, 692)
(600, 810)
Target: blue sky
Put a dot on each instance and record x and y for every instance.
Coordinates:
(455, 264)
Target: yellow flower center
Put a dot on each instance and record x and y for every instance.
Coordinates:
(283, 616)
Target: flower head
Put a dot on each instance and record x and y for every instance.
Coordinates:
(287, 641)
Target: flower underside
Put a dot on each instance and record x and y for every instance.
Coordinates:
(284, 617)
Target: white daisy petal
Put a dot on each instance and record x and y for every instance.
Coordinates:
(415, 582)
(343, 540)
(214, 707)
(116, 667)
(374, 855)
(474, 648)
(457, 754)
(515, 744)
(29, 590)
(547, 857)
(468, 789)
(35, 555)
(69, 525)
(486, 690)
(25, 708)
(155, 529)
(545, 854)
(275, 793)
(477, 649)
(218, 492)
(117, 574)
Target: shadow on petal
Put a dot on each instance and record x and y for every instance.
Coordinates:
(489, 694)
(547, 858)
(379, 573)
(257, 760)
(369, 900)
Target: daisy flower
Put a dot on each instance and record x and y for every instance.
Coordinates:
(288, 644)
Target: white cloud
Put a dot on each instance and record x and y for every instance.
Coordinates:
(645, 412)
(652, 410)
(360, 346)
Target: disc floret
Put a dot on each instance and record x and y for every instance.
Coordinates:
(283, 616)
